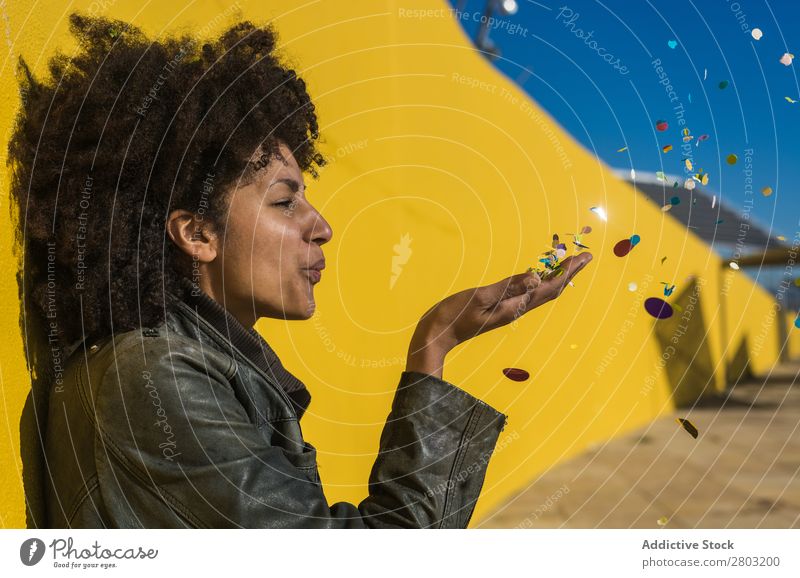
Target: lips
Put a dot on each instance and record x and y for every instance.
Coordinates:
(315, 271)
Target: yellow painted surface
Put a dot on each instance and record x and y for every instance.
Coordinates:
(464, 183)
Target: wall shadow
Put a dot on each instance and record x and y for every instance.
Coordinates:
(683, 338)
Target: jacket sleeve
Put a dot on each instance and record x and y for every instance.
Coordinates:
(175, 448)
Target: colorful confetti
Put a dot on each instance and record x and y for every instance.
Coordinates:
(662, 125)
(786, 59)
(672, 44)
(623, 149)
(516, 374)
(790, 100)
(600, 212)
(688, 426)
(723, 85)
(623, 248)
(797, 322)
(662, 521)
(666, 148)
(766, 191)
(635, 240)
(675, 201)
(688, 164)
(666, 208)
(632, 287)
(732, 159)
(713, 201)
(664, 258)
(658, 308)
(668, 289)
(734, 265)
(756, 33)
(689, 185)
(661, 176)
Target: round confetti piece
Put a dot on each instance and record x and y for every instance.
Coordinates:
(623, 248)
(732, 159)
(516, 374)
(797, 322)
(662, 521)
(734, 265)
(756, 33)
(635, 240)
(658, 308)
(766, 191)
(672, 44)
(662, 125)
(586, 230)
(786, 59)
(723, 85)
(675, 201)
(632, 287)
(797, 282)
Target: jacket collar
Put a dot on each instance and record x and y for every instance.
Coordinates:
(248, 341)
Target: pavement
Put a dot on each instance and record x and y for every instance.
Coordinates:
(742, 471)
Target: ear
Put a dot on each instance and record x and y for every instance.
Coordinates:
(194, 236)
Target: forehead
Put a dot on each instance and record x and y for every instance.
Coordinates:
(266, 169)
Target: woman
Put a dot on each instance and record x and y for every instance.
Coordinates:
(161, 200)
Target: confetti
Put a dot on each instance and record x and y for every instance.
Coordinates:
(632, 287)
(734, 265)
(662, 125)
(662, 521)
(790, 100)
(623, 149)
(713, 201)
(573, 346)
(797, 322)
(756, 33)
(633, 175)
(689, 185)
(797, 282)
(687, 135)
(766, 191)
(675, 201)
(663, 259)
(702, 138)
(677, 308)
(703, 177)
(666, 148)
(658, 308)
(623, 248)
(719, 221)
(705, 73)
(672, 44)
(786, 59)
(668, 289)
(732, 159)
(516, 374)
(688, 164)
(688, 426)
(723, 85)
(690, 98)
(666, 208)
(600, 212)
(635, 240)
(661, 176)
(781, 238)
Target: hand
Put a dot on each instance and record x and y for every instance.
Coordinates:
(469, 313)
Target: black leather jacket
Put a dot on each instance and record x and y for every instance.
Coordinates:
(186, 425)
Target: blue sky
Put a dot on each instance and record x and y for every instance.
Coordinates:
(608, 105)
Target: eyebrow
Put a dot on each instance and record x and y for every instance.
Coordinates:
(291, 183)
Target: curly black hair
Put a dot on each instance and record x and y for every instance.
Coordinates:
(122, 133)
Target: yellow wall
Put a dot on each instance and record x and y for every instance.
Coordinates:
(478, 177)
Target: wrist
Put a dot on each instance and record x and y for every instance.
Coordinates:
(427, 352)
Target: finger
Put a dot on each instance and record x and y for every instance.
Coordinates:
(570, 267)
(512, 286)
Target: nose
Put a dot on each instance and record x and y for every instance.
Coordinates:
(320, 231)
